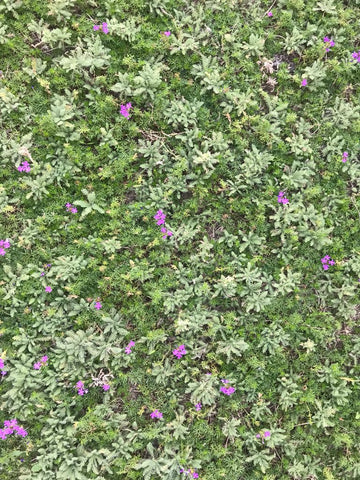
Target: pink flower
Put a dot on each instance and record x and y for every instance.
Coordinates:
(304, 82)
(270, 14)
(106, 386)
(44, 359)
(167, 33)
(37, 366)
(156, 414)
(98, 305)
(105, 28)
(96, 27)
(48, 289)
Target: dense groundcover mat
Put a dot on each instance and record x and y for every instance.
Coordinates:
(179, 239)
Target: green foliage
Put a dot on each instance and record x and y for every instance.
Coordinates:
(219, 125)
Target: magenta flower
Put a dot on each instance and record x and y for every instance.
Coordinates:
(355, 56)
(105, 28)
(345, 156)
(281, 199)
(156, 414)
(5, 244)
(48, 289)
(304, 82)
(74, 210)
(167, 33)
(37, 366)
(98, 305)
(1, 363)
(270, 14)
(124, 110)
(79, 384)
(96, 27)
(198, 406)
(227, 391)
(24, 168)
(106, 386)
(326, 260)
(44, 359)
(180, 351)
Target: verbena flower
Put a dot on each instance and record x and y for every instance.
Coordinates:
(96, 27)
(156, 414)
(167, 33)
(5, 244)
(281, 198)
(48, 289)
(98, 305)
(270, 14)
(106, 386)
(304, 82)
(198, 406)
(345, 156)
(356, 56)
(105, 28)
(25, 167)
(227, 391)
(180, 351)
(325, 260)
(37, 366)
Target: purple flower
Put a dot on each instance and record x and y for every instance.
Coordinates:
(267, 433)
(356, 56)
(98, 305)
(304, 82)
(198, 406)
(79, 384)
(156, 414)
(326, 39)
(96, 27)
(106, 386)
(74, 210)
(105, 27)
(42, 274)
(37, 366)
(227, 391)
(44, 359)
(167, 33)
(68, 205)
(48, 289)
(270, 14)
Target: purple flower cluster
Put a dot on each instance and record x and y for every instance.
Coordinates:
(180, 351)
(80, 388)
(356, 56)
(325, 260)
(3, 372)
(5, 244)
(48, 289)
(156, 414)
(24, 167)
(330, 42)
(106, 386)
(98, 305)
(40, 364)
(194, 474)
(281, 199)
(124, 110)
(198, 406)
(70, 207)
(104, 27)
(263, 435)
(160, 217)
(228, 390)
(11, 425)
(46, 266)
(128, 348)
(345, 156)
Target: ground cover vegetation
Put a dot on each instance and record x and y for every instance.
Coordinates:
(179, 239)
